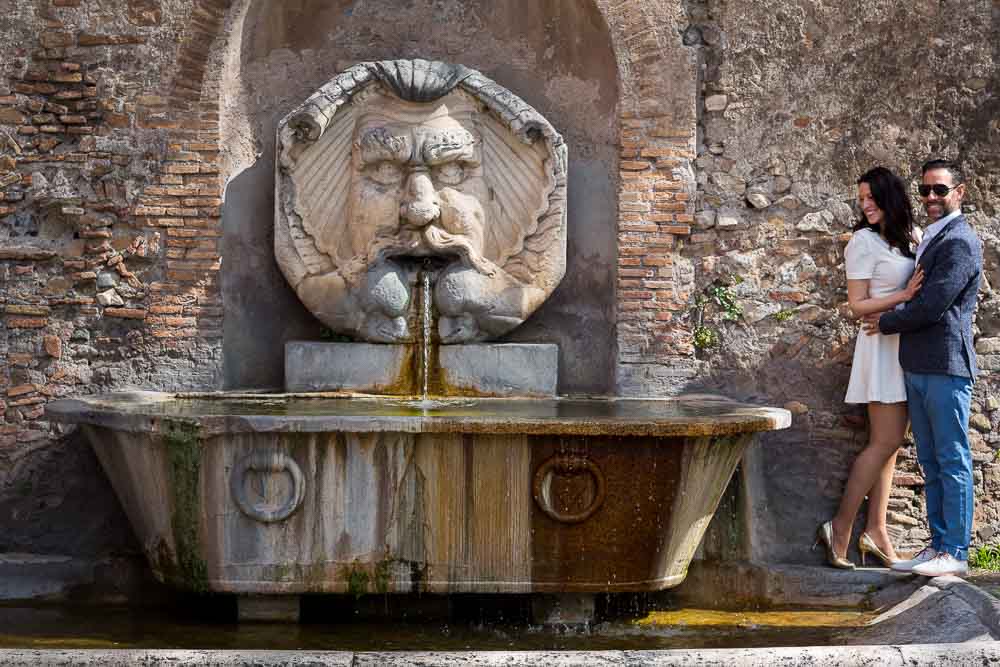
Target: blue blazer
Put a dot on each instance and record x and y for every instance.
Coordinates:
(936, 326)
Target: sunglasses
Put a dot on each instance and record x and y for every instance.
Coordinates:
(940, 189)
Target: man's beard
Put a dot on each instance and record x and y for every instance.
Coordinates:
(945, 211)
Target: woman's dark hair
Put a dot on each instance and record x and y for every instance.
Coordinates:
(889, 193)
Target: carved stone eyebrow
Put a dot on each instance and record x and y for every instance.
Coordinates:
(378, 144)
(449, 146)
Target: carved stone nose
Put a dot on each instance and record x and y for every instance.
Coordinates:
(420, 203)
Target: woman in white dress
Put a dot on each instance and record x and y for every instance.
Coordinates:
(879, 260)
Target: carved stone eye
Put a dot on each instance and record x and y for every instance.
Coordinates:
(387, 173)
(450, 173)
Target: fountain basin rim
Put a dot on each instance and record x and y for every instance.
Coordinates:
(216, 413)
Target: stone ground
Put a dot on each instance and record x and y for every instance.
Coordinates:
(978, 653)
(987, 580)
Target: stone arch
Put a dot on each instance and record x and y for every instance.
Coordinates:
(650, 57)
(653, 129)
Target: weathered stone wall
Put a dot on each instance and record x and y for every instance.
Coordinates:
(798, 99)
(716, 146)
(109, 228)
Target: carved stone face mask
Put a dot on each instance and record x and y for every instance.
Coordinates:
(405, 175)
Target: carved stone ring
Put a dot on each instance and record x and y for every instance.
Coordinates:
(567, 465)
(271, 462)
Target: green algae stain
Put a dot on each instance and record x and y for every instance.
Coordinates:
(184, 457)
(799, 618)
(357, 579)
(363, 578)
(382, 572)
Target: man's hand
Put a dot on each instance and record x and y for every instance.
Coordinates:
(914, 283)
(869, 323)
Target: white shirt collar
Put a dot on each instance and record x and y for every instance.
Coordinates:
(934, 229)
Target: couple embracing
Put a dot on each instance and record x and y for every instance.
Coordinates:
(914, 360)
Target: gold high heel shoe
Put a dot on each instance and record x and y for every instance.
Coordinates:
(866, 545)
(824, 534)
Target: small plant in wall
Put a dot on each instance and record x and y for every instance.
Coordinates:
(715, 304)
(784, 315)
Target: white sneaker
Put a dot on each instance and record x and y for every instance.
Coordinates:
(941, 565)
(907, 565)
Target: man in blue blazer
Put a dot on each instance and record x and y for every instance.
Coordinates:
(939, 364)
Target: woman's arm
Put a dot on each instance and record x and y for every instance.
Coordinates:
(861, 304)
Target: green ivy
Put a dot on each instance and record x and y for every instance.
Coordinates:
(715, 304)
(725, 298)
(705, 338)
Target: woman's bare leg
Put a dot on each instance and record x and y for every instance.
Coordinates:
(872, 472)
(878, 505)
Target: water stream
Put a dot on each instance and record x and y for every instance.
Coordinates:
(425, 404)
(425, 339)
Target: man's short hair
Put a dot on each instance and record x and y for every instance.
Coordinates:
(939, 163)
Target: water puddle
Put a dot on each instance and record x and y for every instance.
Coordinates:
(430, 405)
(87, 628)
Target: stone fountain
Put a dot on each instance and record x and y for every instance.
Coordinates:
(420, 213)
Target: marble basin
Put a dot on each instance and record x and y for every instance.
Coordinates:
(292, 494)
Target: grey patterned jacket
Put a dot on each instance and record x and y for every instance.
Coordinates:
(936, 326)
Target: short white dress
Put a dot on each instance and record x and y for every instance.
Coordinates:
(875, 372)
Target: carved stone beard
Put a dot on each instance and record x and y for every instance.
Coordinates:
(452, 244)
(432, 241)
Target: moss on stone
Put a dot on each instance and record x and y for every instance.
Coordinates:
(357, 579)
(184, 456)
(382, 570)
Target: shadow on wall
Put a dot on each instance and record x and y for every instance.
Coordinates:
(63, 504)
(556, 55)
(788, 481)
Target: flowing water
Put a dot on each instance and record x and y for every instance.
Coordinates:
(426, 321)
(425, 404)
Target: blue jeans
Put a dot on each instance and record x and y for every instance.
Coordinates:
(939, 416)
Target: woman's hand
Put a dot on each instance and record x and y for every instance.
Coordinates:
(913, 284)
(869, 323)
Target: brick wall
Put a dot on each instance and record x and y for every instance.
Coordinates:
(109, 243)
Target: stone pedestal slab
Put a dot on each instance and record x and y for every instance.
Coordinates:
(456, 370)
(500, 370)
(358, 367)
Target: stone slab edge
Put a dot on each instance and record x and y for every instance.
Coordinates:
(772, 585)
(138, 412)
(986, 607)
(972, 653)
(41, 577)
